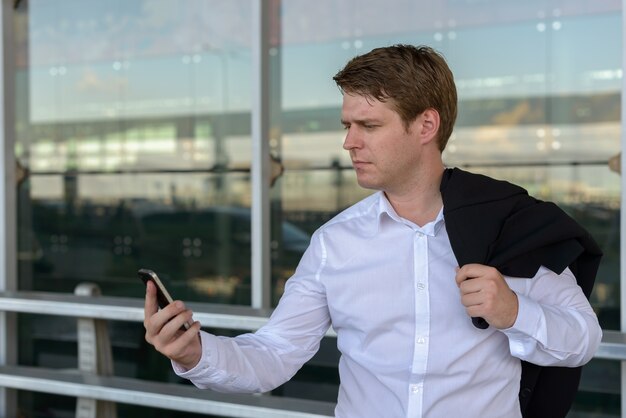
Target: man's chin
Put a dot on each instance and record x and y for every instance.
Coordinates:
(368, 184)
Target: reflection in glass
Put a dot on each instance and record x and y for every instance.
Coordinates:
(539, 88)
(133, 120)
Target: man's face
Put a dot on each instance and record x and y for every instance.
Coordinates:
(384, 154)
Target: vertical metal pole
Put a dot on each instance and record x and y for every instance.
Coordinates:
(261, 274)
(622, 258)
(8, 213)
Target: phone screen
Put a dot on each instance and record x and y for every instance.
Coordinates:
(163, 296)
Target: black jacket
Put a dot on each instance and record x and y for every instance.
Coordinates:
(497, 223)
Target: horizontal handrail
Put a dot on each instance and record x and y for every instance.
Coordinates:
(170, 396)
(612, 347)
(126, 309)
(210, 315)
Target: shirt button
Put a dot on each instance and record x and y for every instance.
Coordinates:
(420, 286)
(420, 340)
(415, 389)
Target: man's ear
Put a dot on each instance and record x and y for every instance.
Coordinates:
(429, 127)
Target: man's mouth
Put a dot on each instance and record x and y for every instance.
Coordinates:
(359, 162)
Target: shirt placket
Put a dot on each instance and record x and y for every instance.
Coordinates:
(422, 325)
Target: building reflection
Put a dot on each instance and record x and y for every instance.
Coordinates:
(133, 122)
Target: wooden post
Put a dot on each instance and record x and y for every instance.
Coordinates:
(94, 356)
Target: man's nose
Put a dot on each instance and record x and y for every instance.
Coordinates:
(352, 139)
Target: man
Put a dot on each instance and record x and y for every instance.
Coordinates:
(386, 274)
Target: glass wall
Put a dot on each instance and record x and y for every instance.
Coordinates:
(133, 123)
(539, 86)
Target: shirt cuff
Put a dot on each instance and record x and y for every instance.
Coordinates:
(207, 359)
(528, 328)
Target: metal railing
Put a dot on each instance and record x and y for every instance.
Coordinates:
(97, 390)
(166, 395)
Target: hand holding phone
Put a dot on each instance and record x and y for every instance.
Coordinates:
(163, 296)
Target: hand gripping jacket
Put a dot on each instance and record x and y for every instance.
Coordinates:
(497, 223)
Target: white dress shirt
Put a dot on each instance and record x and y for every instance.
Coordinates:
(408, 348)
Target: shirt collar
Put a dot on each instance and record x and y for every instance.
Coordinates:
(386, 211)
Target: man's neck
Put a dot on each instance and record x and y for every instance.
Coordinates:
(422, 202)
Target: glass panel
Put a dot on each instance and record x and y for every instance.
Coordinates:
(133, 121)
(539, 88)
(136, 126)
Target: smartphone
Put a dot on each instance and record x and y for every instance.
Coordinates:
(163, 296)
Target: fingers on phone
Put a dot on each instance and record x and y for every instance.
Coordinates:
(177, 320)
(194, 330)
(150, 304)
(187, 318)
(192, 325)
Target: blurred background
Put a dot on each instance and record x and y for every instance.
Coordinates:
(133, 130)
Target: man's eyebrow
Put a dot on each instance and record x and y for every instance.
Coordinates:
(360, 121)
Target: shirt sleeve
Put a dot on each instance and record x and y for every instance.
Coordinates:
(555, 325)
(261, 361)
